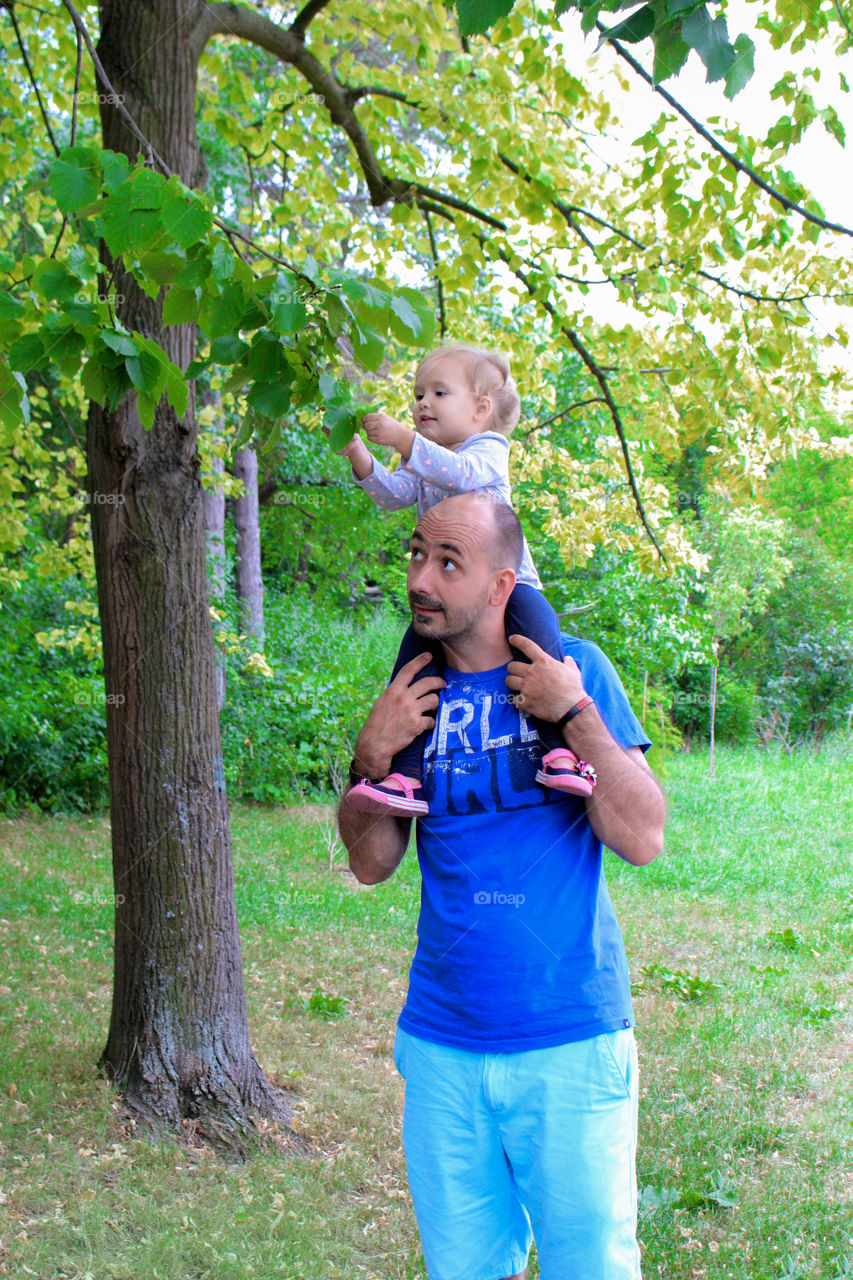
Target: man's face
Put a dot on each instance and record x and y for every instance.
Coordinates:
(450, 579)
(446, 410)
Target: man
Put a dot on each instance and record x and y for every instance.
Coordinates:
(515, 1041)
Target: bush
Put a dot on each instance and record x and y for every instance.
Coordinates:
(290, 736)
(736, 712)
(52, 712)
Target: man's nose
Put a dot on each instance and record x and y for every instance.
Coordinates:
(420, 577)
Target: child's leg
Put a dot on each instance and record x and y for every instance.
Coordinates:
(529, 614)
(410, 761)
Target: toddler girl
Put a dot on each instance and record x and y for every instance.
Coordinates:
(465, 406)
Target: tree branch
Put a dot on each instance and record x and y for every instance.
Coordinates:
(442, 314)
(578, 404)
(790, 206)
(288, 46)
(299, 25)
(31, 74)
(601, 378)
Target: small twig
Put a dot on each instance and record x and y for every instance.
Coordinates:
(80, 26)
(31, 74)
(844, 22)
(299, 25)
(442, 315)
(579, 404)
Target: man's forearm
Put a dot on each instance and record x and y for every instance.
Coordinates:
(626, 809)
(375, 845)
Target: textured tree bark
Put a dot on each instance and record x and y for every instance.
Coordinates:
(178, 1043)
(250, 587)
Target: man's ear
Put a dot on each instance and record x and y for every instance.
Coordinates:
(504, 583)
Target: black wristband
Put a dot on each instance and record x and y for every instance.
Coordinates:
(585, 701)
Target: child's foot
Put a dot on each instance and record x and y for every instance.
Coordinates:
(394, 794)
(562, 771)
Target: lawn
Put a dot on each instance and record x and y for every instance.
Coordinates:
(739, 940)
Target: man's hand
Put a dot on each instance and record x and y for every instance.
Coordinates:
(380, 429)
(544, 687)
(397, 717)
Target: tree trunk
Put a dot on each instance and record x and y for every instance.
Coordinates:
(214, 526)
(250, 587)
(178, 1043)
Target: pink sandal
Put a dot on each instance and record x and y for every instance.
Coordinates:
(394, 794)
(562, 771)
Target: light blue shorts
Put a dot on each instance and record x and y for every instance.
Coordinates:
(505, 1147)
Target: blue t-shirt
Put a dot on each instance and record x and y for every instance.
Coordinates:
(518, 945)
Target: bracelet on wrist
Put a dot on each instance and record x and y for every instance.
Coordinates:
(355, 778)
(574, 711)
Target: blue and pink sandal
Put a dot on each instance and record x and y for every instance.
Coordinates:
(562, 771)
(394, 794)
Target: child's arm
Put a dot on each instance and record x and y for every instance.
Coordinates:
(481, 464)
(361, 459)
(390, 490)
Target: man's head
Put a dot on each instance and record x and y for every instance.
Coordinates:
(464, 558)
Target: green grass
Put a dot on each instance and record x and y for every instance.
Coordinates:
(739, 940)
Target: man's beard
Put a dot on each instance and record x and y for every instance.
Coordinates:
(448, 625)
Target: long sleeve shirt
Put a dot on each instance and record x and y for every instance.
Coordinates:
(433, 473)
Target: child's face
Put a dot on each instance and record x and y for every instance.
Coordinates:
(445, 409)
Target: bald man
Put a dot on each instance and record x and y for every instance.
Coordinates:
(516, 1040)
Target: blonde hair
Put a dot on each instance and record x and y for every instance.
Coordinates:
(487, 374)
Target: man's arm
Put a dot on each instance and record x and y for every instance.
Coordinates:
(376, 844)
(627, 808)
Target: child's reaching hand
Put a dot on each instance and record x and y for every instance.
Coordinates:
(381, 429)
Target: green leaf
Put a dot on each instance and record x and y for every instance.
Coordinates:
(121, 343)
(638, 26)
(180, 306)
(75, 178)
(328, 386)
(228, 350)
(147, 189)
(345, 428)
(116, 169)
(405, 312)
(710, 39)
(476, 16)
(743, 68)
(670, 52)
(290, 316)
(94, 380)
(55, 282)
(177, 389)
(27, 353)
(185, 221)
(164, 268)
(269, 399)
(368, 347)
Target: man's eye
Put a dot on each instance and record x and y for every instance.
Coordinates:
(447, 563)
(415, 554)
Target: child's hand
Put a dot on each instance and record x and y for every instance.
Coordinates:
(380, 429)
